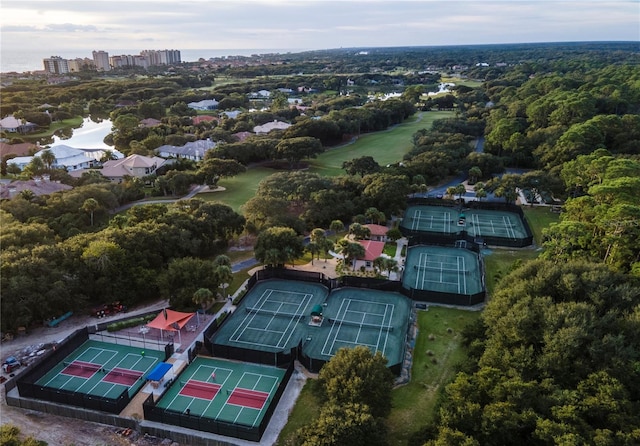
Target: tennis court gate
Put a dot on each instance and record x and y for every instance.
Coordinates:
(251, 433)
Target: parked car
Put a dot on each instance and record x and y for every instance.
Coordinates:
(10, 364)
(108, 309)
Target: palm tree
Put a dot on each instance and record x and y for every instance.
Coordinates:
(351, 251)
(336, 226)
(379, 264)
(391, 265)
(314, 249)
(224, 276)
(90, 205)
(203, 297)
(48, 158)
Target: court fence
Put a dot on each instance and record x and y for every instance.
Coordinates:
(429, 237)
(28, 388)
(252, 433)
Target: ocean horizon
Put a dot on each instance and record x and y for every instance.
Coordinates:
(22, 61)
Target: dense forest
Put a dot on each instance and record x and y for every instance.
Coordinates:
(554, 358)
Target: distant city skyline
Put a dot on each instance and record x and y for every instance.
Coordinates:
(72, 25)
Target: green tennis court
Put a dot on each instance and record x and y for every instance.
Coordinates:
(475, 222)
(272, 316)
(102, 369)
(276, 316)
(447, 270)
(355, 316)
(234, 392)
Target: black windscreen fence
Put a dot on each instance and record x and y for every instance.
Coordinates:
(206, 424)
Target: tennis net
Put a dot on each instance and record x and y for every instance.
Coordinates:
(83, 365)
(273, 313)
(441, 269)
(125, 372)
(199, 386)
(252, 394)
(361, 324)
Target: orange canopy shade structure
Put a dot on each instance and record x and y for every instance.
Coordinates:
(170, 320)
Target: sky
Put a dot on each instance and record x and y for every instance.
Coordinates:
(63, 25)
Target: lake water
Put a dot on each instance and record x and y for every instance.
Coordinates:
(89, 136)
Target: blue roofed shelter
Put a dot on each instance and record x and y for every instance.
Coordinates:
(156, 376)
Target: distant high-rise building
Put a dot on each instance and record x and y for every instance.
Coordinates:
(161, 57)
(56, 65)
(101, 60)
(79, 64)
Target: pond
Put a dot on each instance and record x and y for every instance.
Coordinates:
(88, 136)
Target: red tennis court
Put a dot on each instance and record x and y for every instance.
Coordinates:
(248, 398)
(81, 369)
(124, 377)
(200, 389)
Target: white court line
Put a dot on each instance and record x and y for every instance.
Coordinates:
(305, 301)
(100, 351)
(294, 321)
(251, 316)
(381, 331)
(324, 347)
(386, 337)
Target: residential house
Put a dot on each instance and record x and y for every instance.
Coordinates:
(66, 157)
(13, 125)
(372, 250)
(205, 104)
(203, 118)
(241, 136)
(150, 122)
(132, 166)
(194, 151)
(22, 149)
(262, 94)
(231, 114)
(269, 126)
(378, 232)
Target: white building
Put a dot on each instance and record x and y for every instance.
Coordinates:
(67, 158)
(192, 150)
(206, 104)
(269, 126)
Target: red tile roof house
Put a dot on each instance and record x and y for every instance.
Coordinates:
(378, 232)
(203, 118)
(22, 149)
(372, 250)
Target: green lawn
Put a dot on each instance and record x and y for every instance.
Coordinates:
(239, 189)
(436, 354)
(386, 147)
(66, 123)
(413, 404)
(307, 408)
(501, 261)
(539, 218)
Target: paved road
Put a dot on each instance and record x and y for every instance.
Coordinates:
(191, 194)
